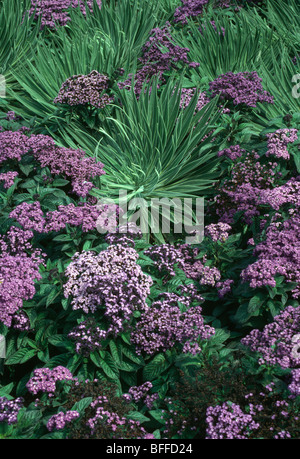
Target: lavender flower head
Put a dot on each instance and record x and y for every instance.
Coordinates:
(160, 54)
(165, 325)
(85, 90)
(278, 142)
(228, 421)
(112, 281)
(44, 379)
(276, 342)
(53, 12)
(240, 88)
(9, 409)
(59, 421)
(218, 231)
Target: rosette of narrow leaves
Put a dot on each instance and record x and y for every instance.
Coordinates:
(154, 149)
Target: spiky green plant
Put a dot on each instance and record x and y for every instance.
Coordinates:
(126, 23)
(153, 148)
(242, 46)
(18, 36)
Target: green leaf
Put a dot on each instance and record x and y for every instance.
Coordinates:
(21, 356)
(158, 415)
(6, 390)
(82, 405)
(136, 416)
(155, 367)
(254, 304)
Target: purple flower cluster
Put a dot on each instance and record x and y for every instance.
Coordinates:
(217, 231)
(30, 216)
(224, 287)
(87, 336)
(240, 88)
(13, 145)
(16, 240)
(71, 164)
(112, 419)
(45, 379)
(8, 178)
(289, 193)
(111, 280)
(233, 152)
(86, 216)
(276, 342)
(21, 321)
(278, 142)
(136, 393)
(59, 421)
(228, 421)
(85, 90)
(53, 12)
(160, 54)
(189, 9)
(278, 255)
(205, 275)
(294, 385)
(241, 191)
(188, 94)
(167, 256)
(17, 275)
(9, 409)
(165, 325)
(194, 8)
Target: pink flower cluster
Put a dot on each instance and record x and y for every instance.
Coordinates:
(87, 216)
(165, 324)
(59, 421)
(278, 142)
(45, 379)
(8, 178)
(85, 90)
(278, 255)
(53, 12)
(229, 421)
(110, 280)
(276, 342)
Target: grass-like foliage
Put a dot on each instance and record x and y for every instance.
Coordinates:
(144, 109)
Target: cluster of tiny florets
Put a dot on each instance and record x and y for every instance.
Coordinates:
(86, 90)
